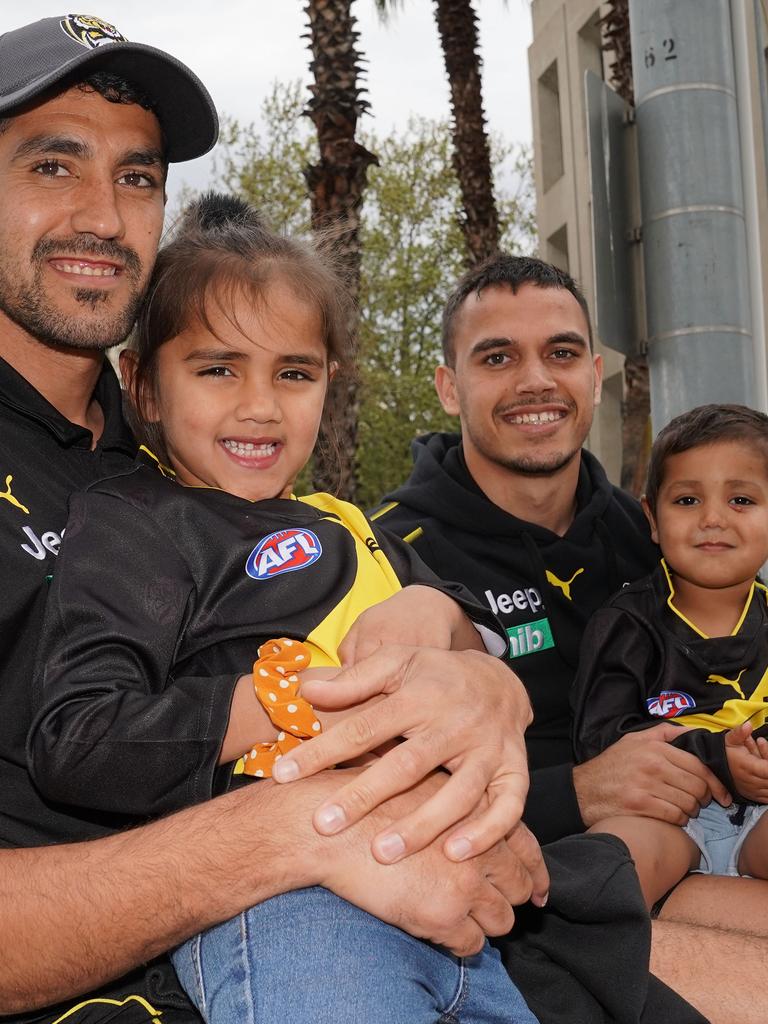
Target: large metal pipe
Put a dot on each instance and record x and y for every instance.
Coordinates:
(693, 230)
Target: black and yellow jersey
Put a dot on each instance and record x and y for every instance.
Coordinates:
(161, 598)
(644, 662)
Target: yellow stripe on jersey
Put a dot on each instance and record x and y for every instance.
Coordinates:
(687, 621)
(384, 509)
(153, 1014)
(375, 580)
(733, 712)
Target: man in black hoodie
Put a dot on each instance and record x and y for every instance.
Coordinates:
(524, 516)
(517, 510)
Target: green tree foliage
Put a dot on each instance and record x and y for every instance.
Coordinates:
(265, 164)
(413, 252)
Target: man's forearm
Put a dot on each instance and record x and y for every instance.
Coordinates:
(102, 907)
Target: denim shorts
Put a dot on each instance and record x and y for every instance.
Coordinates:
(719, 832)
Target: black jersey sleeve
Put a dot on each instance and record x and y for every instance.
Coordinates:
(617, 661)
(410, 570)
(552, 808)
(115, 730)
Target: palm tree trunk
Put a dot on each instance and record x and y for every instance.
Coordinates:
(457, 25)
(336, 184)
(636, 407)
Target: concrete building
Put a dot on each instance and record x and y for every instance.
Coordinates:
(567, 42)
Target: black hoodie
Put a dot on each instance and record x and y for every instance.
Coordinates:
(542, 586)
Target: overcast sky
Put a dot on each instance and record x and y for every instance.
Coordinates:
(239, 47)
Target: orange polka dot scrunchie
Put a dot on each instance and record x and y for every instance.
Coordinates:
(276, 682)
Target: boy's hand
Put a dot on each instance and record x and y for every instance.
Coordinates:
(744, 733)
(748, 762)
(416, 616)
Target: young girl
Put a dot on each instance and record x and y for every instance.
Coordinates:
(690, 643)
(170, 579)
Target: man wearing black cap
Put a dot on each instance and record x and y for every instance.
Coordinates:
(88, 122)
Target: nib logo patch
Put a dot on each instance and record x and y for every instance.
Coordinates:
(529, 638)
(284, 551)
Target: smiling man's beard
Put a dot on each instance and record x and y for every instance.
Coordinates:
(530, 465)
(28, 306)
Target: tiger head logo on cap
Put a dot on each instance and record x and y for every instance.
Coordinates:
(90, 31)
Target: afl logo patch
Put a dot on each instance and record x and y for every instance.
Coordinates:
(670, 704)
(89, 31)
(284, 551)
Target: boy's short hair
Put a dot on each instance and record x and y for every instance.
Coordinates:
(513, 271)
(707, 424)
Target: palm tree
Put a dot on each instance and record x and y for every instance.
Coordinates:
(636, 406)
(457, 26)
(336, 184)
(615, 25)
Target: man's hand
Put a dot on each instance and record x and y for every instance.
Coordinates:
(453, 904)
(748, 763)
(416, 616)
(644, 774)
(460, 709)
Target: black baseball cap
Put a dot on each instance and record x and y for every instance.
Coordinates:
(36, 57)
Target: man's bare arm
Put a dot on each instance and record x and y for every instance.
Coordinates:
(102, 907)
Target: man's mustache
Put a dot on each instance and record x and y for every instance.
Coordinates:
(77, 247)
(516, 407)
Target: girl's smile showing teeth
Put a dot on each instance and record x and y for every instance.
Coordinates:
(253, 451)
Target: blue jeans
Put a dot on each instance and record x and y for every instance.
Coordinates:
(309, 955)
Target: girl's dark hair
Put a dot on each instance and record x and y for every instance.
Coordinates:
(222, 250)
(705, 425)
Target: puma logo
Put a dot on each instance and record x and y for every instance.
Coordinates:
(564, 585)
(10, 498)
(729, 682)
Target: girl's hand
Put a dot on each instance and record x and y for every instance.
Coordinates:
(748, 762)
(416, 616)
